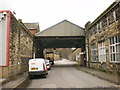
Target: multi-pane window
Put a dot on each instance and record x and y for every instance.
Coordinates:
(102, 51)
(115, 48)
(93, 52)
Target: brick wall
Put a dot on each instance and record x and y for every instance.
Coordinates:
(34, 31)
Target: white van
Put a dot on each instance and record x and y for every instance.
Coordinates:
(37, 66)
(48, 64)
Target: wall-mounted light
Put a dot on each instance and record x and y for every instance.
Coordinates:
(3, 16)
(4, 13)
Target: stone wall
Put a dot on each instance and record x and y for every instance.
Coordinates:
(20, 50)
(101, 30)
(56, 57)
(78, 55)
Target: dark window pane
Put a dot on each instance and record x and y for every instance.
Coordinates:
(117, 48)
(116, 38)
(113, 57)
(113, 41)
(110, 41)
(113, 49)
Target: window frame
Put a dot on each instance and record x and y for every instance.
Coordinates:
(94, 55)
(113, 48)
(103, 49)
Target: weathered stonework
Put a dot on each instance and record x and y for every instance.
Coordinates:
(20, 49)
(96, 34)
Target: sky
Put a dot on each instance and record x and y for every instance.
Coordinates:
(51, 12)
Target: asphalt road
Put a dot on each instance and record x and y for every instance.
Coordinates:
(63, 77)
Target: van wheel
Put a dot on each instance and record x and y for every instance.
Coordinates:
(30, 77)
(47, 73)
(44, 76)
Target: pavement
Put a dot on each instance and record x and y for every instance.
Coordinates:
(2, 80)
(103, 75)
(14, 83)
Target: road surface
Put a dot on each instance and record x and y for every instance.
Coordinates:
(63, 77)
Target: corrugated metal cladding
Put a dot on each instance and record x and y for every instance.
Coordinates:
(64, 28)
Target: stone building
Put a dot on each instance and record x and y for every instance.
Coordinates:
(78, 55)
(64, 52)
(51, 53)
(20, 48)
(103, 40)
(33, 27)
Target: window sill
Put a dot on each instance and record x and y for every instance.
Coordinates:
(114, 61)
(95, 62)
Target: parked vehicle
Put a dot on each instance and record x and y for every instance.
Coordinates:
(48, 64)
(50, 56)
(37, 66)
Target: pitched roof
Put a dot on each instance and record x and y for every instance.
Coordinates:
(32, 26)
(61, 22)
(46, 30)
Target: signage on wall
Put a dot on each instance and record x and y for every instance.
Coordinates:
(4, 37)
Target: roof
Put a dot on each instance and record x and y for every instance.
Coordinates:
(104, 13)
(54, 28)
(62, 22)
(32, 26)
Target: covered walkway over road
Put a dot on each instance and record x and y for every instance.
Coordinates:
(62, 35)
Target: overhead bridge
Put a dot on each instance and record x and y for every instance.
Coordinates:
(62, 35)
(60, 41)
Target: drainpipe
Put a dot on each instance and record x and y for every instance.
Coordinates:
(88, 54)
(33, 50)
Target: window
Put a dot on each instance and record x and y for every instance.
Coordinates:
(102, 51)
(94, 50)
(97, 27)
(114, 15)
(111, 17)
(104, 22)
(21, 33)
(100, 27)
(117, 11)
(94, 29)
(115, 48)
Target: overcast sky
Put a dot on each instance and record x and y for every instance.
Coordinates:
(50, 12)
